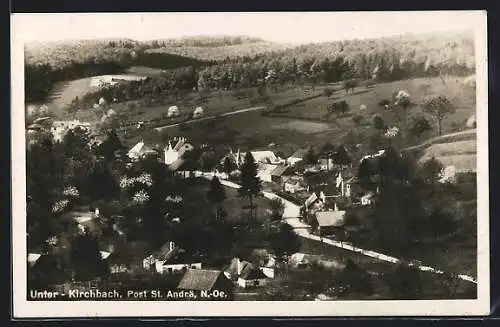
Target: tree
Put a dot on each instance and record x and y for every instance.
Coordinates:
(403, 99)
(366, 170)
(378, 122)
(285, 241)
(328, 92)
(111, 145)
(311, 157)
(277, 208)
(86, 258)
(419, 126)
(350, 84)
(250, 183)
(216, 194)
(356, 119)
(404, 282)
(431, 170)
(439, 107)
(342, 157)
(228, 165)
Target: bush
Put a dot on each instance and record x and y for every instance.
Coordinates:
(357, 119)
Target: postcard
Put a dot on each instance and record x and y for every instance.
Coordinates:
(250, 164)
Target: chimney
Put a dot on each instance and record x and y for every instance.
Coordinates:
(335, 208)
(171, 246)
(238, 266)
(96, 212)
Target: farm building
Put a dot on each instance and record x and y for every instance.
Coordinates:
(293, 185)
(327, 222)
(245, 274)
(140, 150)
(297, 156)
(265, 171)
(173, 111)
(198, 112)
(278, 173)
(205, 280)
(368, 199)
(171, 258)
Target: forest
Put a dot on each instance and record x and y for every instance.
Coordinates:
(224, 62)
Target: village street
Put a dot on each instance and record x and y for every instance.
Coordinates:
(291, 214)
(159, 129)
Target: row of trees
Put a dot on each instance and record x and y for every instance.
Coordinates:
(327, 62)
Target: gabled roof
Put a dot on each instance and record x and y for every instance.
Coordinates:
(248, 270)
(200, 279)
(280, 170)
(330, 218)
(300, 153)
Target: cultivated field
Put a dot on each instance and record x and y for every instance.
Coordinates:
(463, 97)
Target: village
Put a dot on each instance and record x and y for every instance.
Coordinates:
(319, 194)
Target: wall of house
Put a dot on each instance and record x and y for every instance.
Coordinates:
(252, 283)
(171, 156)
(269, 272)
(166, 269)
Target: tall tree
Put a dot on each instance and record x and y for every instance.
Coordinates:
(366, 170)
(285, 242)
(250, 182)
(111, 145)
(216, 194)
(311, 157)
(419, 126)
(277, 208)
(439, 107)
(431, 170)
(228, 165)
(86, 258)
(342, 157)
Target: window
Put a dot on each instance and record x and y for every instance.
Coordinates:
(169, 270)
(193, 267)
(256, 283)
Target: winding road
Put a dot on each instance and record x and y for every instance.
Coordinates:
(291, 216)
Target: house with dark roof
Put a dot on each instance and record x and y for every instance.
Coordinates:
(206, 280)
(170, 258)
(245, 274)
(279, 172)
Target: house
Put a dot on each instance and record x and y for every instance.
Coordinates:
(279, 172)
(326, 164)
(344, 182)
(140, 150)
(33, 258)
(245, 274)
(61, 127)
(368, 199)
(173, 111)
(174, 153)
(372, 156)
(327, 222)
(293, 184)
(303, 260)
(296, 157)
(264, 171)
(170, 258)
(206, 280)
(198, 112)
(266, 157)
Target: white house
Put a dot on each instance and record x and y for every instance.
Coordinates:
(246, 274)
(139, 150)
(174, 153)
(297, 156)
(198, 112)
(33, 258)
(367, 199)
(265, 171)
(328, 221)
(61, 127)
(266, 157)
(171, 258)
(173, 111)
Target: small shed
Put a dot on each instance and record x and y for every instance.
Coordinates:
(173, 111)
